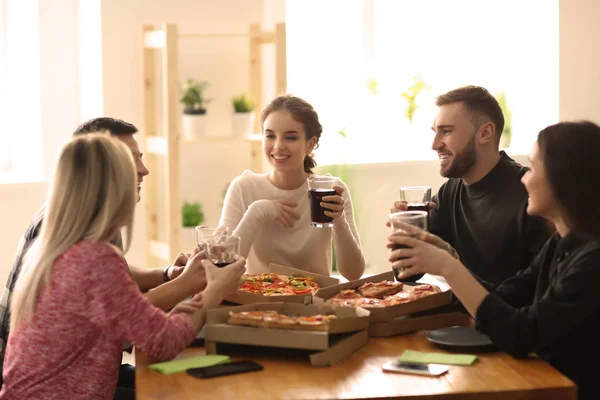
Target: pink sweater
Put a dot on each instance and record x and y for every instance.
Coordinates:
(72, 347)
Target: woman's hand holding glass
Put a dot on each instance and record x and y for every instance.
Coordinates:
(193, 273)
(224, 281)
(334, 204)
(424, 254)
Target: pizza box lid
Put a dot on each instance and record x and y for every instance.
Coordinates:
(349, 320)
(241, 297)
(340, 346)
(380, 314)
(432, 319)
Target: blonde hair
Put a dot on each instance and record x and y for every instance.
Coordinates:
(92, 195)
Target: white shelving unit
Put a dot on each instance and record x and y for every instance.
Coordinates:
(163, 150)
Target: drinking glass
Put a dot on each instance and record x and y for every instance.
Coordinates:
(417, 197)
(410, 223)
(204, 232)
(319, 187)
(222, 250)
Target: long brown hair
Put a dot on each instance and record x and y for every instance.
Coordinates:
(569, 153)
(302, 112)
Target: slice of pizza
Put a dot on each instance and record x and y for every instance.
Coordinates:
(401, 297)
(252, 284)
(378, 290)
(315, 322)
(250, 318)
(346, 294)
(345, 298)
(273, 319)
(411, 293)
(425, 289)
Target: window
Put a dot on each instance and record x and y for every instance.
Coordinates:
(20, 108)
(5, 164)
(353, 59)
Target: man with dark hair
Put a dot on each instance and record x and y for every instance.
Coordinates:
(481, 210)
(166, 291)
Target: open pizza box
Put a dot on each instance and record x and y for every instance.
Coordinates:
(437, 318)
(383, 314)
(240, 297)
(346, 333)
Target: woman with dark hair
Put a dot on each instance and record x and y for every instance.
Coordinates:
(271, 212)
(551, 308)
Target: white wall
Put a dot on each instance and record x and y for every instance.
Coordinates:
(579, 61)
(59, 76)
(376, 185)
(206, 167)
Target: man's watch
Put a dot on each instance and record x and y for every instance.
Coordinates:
(166, 273)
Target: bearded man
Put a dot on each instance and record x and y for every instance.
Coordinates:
(481, 210)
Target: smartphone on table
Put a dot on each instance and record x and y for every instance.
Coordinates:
(236, 367)
(414, 368)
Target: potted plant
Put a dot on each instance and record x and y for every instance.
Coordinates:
(192, 215)
(411, 94)
(194, 111)
(243, 115)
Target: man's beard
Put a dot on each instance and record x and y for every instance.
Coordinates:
(462, 162)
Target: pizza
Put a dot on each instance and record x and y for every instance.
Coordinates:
(406, 294)
(272, 284)
(273, 319)
(379, 290)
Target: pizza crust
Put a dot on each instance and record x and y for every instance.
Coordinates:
(272, 319)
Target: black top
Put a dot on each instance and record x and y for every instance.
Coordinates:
(31, 233)
(487, 222)
(552, 308)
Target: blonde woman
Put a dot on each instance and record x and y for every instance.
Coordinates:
(75, 301)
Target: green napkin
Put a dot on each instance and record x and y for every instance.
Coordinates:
(171, 367)
(436, 358)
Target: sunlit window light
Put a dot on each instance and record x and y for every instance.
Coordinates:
(353, 59)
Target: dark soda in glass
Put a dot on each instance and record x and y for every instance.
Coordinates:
(317, 213)
(418, 207)
(221, 264)
(412, 278)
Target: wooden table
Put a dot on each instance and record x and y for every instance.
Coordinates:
(359, 376)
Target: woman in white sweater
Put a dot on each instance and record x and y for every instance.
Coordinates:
(271, 212)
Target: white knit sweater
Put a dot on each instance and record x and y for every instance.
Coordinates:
(249, 211)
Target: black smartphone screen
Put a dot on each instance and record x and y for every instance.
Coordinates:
(236, 367)
(412, 366)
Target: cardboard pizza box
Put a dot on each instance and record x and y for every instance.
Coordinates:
(340, 347)
(346, 334)
(442, 317)
(240, 297)
(348, 320)
(381, 314)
